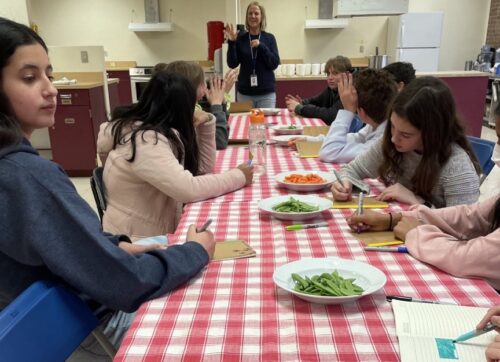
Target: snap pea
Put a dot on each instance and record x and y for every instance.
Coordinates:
(326, 284)
(294, 205)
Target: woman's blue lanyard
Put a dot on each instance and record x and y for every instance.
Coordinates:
(254, 59)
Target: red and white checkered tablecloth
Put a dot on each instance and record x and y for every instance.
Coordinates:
(232, 311)
(279, 159)
(238, 123)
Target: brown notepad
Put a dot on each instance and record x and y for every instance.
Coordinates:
(315, 131)
(368, 203)
(232, 249)
(371, 237)
(240, 107)
(308, 149)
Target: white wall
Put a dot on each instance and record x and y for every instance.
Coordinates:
(91, 22)
(14, 10)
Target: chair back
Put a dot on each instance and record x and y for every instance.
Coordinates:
(98, 190)
(483, 150)
(46, 322)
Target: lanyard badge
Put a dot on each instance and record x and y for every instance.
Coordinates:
(253, 77)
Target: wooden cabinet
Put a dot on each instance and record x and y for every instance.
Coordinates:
(305, 88)
(124, 87)
(73, 137)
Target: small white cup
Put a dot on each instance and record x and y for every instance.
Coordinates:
(322, 68)
(290, 69)
(278, 71)
(300, 69)
(307, 69)
(315, 68)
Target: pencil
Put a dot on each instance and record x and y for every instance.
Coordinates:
(204, 226)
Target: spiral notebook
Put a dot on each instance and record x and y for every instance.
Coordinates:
(425, 332)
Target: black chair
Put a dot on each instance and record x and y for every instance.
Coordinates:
(99, 190)
(483, 150)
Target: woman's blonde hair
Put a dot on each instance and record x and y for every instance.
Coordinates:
(263, 22)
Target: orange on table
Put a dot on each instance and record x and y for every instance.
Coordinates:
(309, 178)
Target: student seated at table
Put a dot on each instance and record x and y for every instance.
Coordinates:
(159, 159)
(463, 240)
(326, 104)
(214, 99)
(370, 95)
(423, 156)
(403, 73)
(48, 232)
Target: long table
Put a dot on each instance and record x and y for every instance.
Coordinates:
(232, 311)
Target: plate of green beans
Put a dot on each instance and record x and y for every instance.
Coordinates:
(295, 207)
(329, 280)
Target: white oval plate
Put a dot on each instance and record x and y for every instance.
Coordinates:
(368, 277)
(322, 203)
(327, 176)
(283, 139)
(283, 129)
(271, 111)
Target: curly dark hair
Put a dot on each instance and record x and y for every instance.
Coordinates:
(401, 72)
(427, 103)
(166, 107)
(376, 90)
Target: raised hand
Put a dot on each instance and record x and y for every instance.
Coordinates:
(231, 32)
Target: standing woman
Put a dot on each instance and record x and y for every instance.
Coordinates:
(257, 54)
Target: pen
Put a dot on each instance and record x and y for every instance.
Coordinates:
(305, 226)
(204, 226)
(475, 333)
(338, 177)
(389, 298)
(399, 249)
(360, 209)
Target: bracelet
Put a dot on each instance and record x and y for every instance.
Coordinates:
(390, 221)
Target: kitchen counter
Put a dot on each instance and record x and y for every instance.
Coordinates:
(453, 73)
(86, 84)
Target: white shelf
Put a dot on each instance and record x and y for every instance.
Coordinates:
(151, 26)
(326, 23)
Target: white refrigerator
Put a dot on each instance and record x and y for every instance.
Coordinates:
(415, 38)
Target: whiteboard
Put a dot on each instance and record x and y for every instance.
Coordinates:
(369, 7)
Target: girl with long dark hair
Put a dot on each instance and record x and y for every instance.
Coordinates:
(161, 154)
(424, 156)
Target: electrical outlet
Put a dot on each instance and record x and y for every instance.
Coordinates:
(361, 49)
(84, 56)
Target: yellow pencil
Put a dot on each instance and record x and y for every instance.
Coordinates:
(386, 243)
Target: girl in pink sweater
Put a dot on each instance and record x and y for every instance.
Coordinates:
(462, 240)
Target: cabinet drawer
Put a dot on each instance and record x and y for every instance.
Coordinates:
(73, 97)
(72, 139)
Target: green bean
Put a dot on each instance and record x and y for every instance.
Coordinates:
(327, 284)
(294, 205)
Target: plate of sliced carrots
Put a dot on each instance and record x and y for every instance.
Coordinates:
(305, 180)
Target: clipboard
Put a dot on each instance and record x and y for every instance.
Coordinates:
(376, 237)
(308, 149)
(232, 249)
(368, 203)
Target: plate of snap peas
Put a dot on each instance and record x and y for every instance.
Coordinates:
(329, 280)
(295, 207)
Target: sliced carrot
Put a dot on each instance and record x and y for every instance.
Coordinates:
(310, 178)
